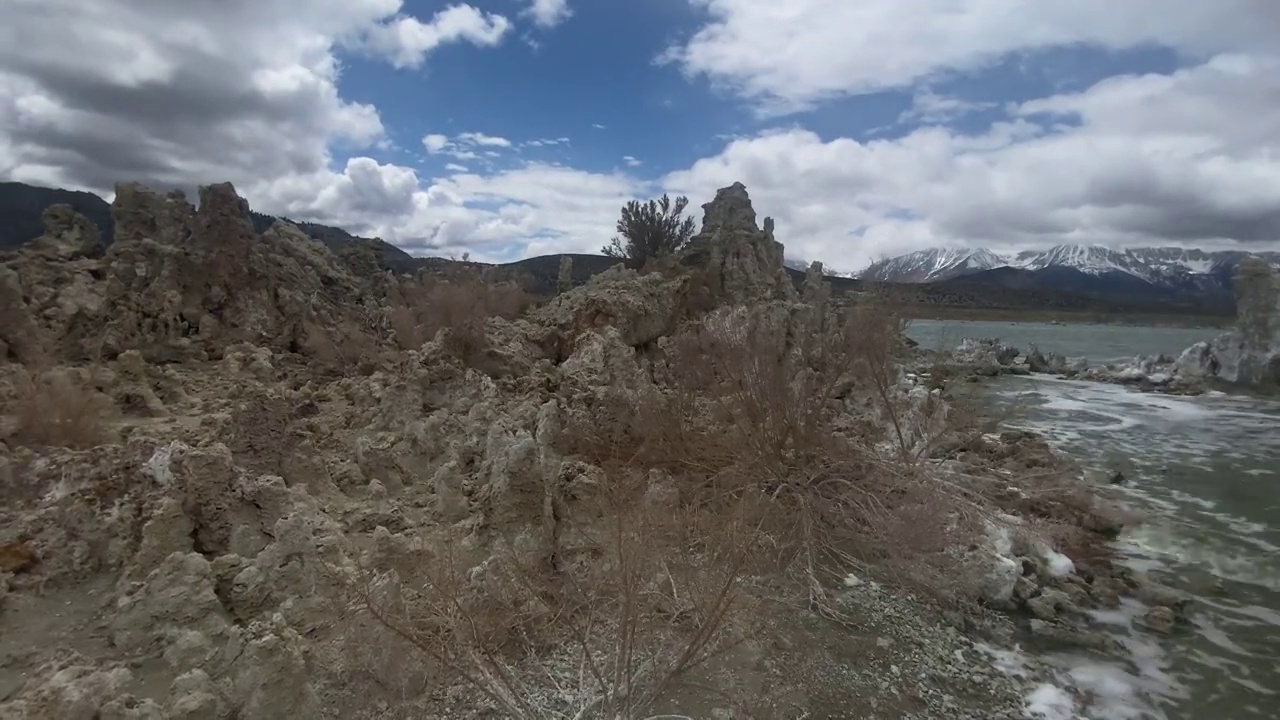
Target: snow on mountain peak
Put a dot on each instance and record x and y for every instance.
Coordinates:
(1154, 265)
(1091, 259)
(933, 265)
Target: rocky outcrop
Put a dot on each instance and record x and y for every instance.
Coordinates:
(178, 282)
(643, 308)
(1232, 359)
(1249, 354)
(987, 356)
(745, 262)
(67, 235)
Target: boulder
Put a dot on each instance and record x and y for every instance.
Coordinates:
(642, 308)
(1159, 619)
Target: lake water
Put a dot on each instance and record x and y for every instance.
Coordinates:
(1205, 473)
(1102, 344)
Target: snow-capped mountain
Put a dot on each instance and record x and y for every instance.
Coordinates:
(1158, 266)
(1167, 278)
(933, 265)
(1091, 259)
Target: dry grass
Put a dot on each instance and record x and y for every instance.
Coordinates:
(55, 409)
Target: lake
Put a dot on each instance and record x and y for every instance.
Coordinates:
(1205, 473)
(1102, 344)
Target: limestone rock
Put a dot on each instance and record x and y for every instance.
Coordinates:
(1051, 603)
(271, 678)
(816, 290)
(745, 261)
(179, 282)
(128, 707)
(1159, 619)
(643, 308)
(20, 336)
(564, 280)
(176, 598)
(70, 687)
(193, 696)
(602, 360)
(67, 235)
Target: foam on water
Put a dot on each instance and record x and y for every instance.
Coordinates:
(1200, 470)
(1051, 703)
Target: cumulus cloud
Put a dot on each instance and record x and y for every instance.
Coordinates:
(790, 55)
(406, 41)
(435, 143)
(1192, 157)
(182, 93)
(548, 13)
(631, 161)
(535, 209)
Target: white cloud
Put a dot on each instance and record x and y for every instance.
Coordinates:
(548, 13)
(789, 55)
(631, 161)
(539, 208)
(435, 143)
(183, 93)
(929, 107)
(460, 146)
(1190, 158)
(406, 41)
(476, 138)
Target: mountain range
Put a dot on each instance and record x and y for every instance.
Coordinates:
(1176, 277)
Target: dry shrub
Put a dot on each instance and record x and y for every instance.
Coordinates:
(753, 411)
(56, 409)
(640, 591)
(345, 348)
(461, 301)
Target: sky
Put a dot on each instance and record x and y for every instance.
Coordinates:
(513, 128)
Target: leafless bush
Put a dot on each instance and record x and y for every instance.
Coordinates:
(54, 409)
(460, 300)
(344, 348)
(640, 592)
(753, 411)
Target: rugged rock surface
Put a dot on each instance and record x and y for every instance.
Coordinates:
(744, 262)
(177, 283)
(251, 529)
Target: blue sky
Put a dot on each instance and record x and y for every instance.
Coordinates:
(509, 128)
(592, 78)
